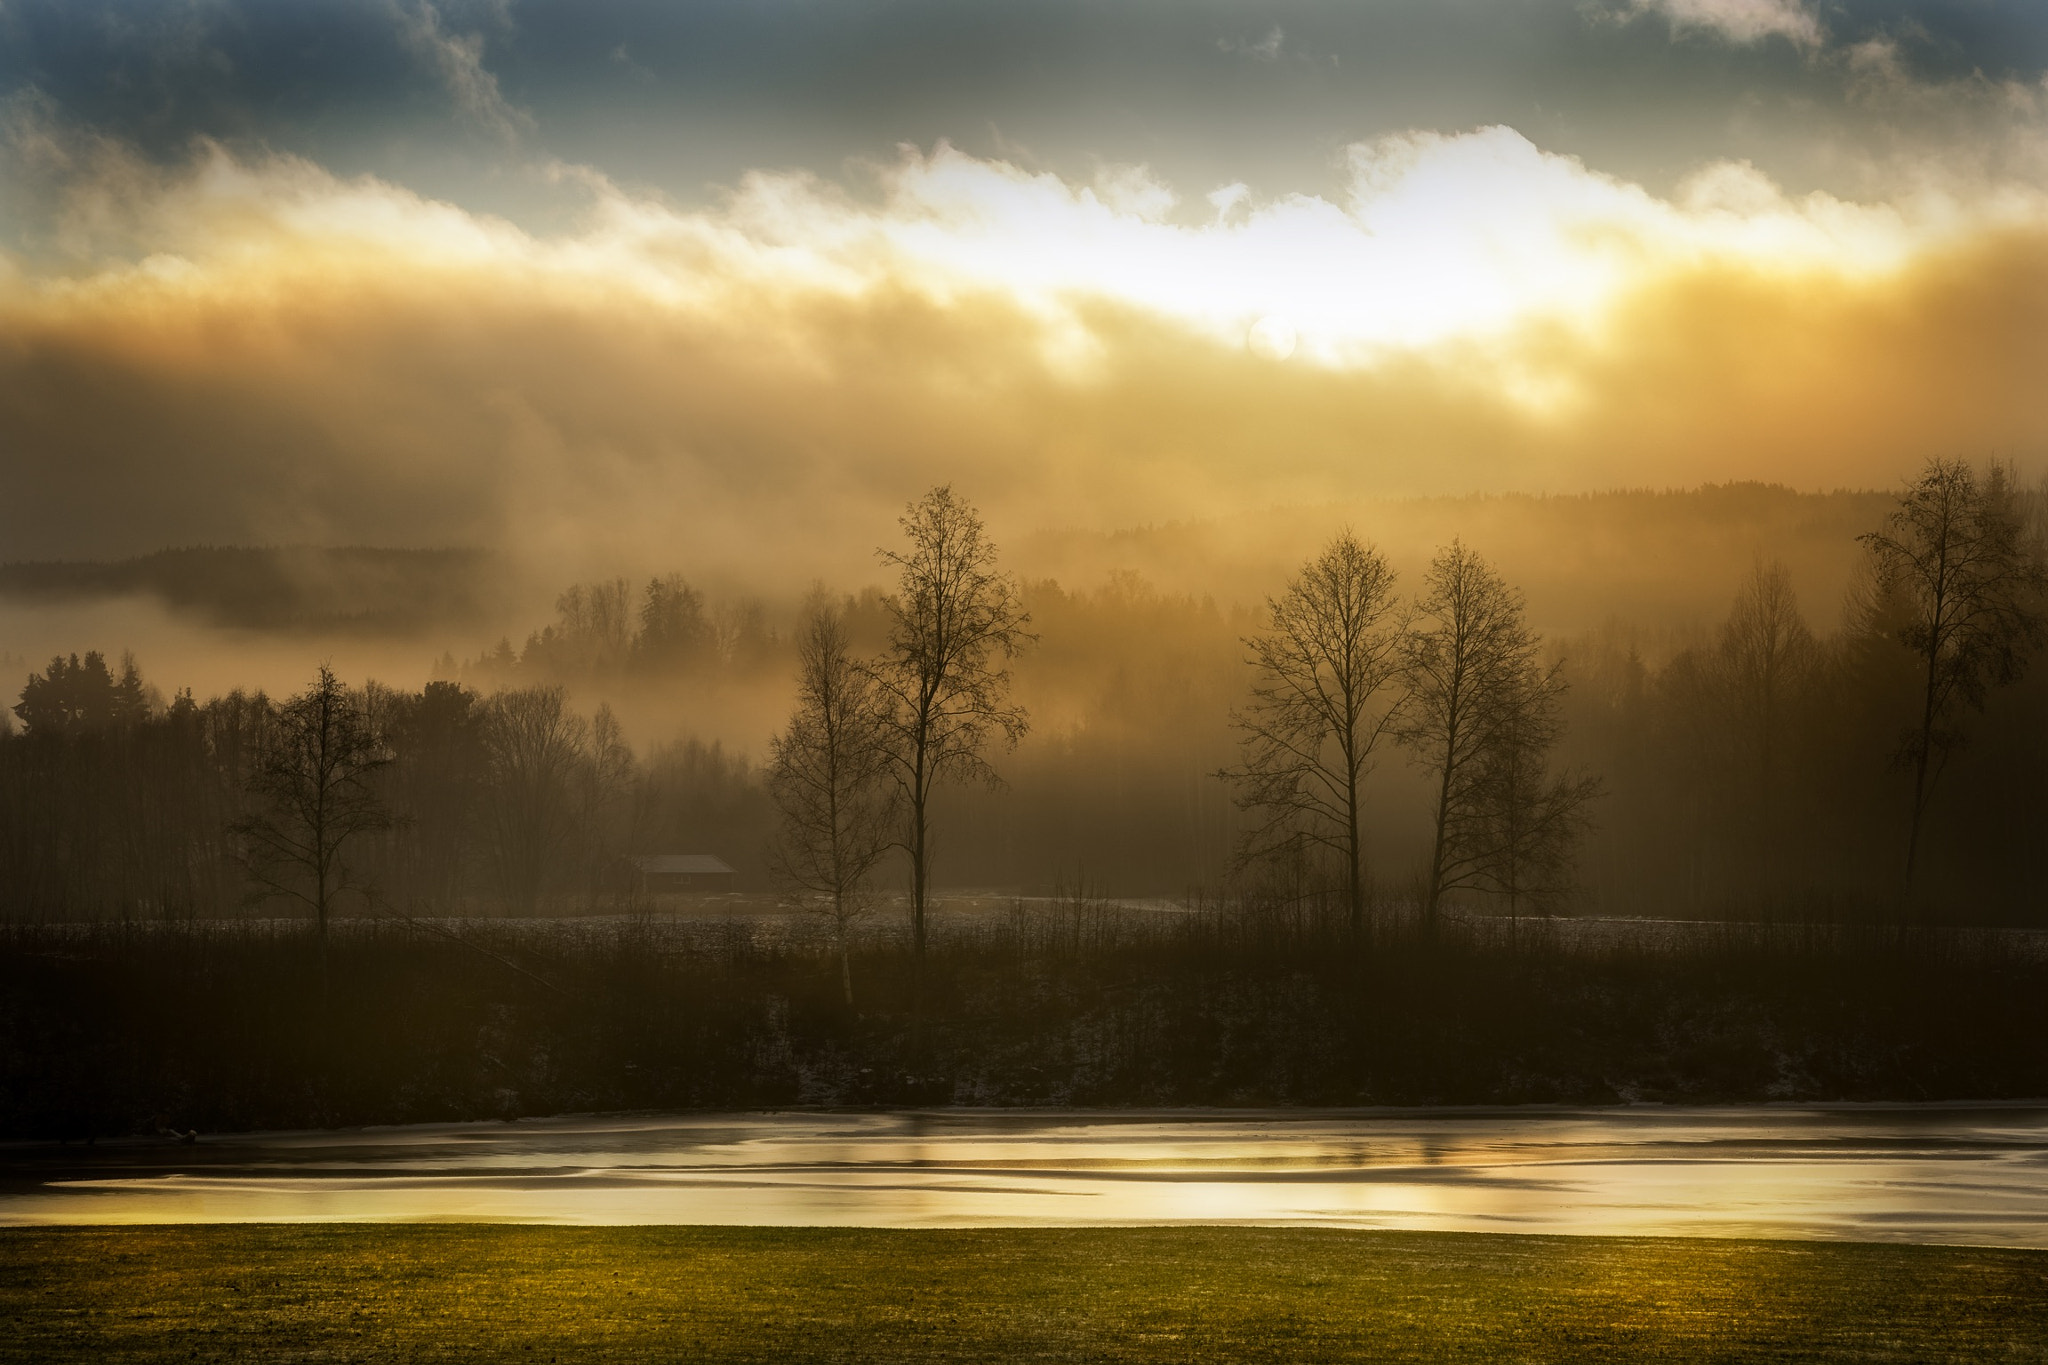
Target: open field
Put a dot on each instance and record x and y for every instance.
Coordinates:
(480, 1292)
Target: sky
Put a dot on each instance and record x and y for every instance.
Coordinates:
(722, 285)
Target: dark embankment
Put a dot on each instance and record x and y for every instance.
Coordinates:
(110, 1029)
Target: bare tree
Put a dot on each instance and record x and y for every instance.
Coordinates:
(1467, 665)
(828, 774)
(596, 629)
(1531, 822)
(740, 634)
(1767, 654)
(1328, 691)
(606, 792)
(314, 781)
(535, 750)
(437, 783)
(954, 620)
(1956, 557)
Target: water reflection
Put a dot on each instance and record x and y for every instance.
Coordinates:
(1911, 1173)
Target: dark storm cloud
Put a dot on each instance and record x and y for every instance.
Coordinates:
(156, 75)
(676, 96)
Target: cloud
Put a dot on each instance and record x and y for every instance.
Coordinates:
(1266, 49)
(622, 57)
(1135, 192)
(458, 58)
(1741, 21)
(264, 351)
(1960, 125)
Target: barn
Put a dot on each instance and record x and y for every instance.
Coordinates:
(698, 872)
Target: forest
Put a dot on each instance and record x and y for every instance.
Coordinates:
(1765, 764)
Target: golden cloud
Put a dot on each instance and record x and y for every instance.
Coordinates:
(276, 354)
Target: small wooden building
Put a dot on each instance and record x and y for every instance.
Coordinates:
(671, 872)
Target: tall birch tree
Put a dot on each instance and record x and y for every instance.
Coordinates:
(955, 622)
(1327, 691)
(314, 781)
(828, 775)
(1956, 555)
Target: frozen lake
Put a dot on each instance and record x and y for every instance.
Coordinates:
(1972, 1174)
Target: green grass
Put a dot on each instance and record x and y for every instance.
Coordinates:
(382, 1292)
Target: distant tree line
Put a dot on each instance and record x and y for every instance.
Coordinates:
(609, 632)
(431, 802)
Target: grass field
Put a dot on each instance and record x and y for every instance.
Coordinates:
(479, 1292)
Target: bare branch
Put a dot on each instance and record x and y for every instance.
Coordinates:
(955, 619)
(1327, 691)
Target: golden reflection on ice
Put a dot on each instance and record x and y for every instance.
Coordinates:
(1910, 1173)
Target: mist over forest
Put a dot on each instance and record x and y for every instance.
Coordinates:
(659, 695)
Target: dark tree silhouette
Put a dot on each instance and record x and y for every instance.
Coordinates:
(536, 750)
(1957, 561)
(75, 697)
(1326, 694)
(606, 791)
(1767, 655)
(674, 632)
(436, 781)
(828, 775)
(313, 779)
(954, 619)
(1469, 664)
(1530, 822)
